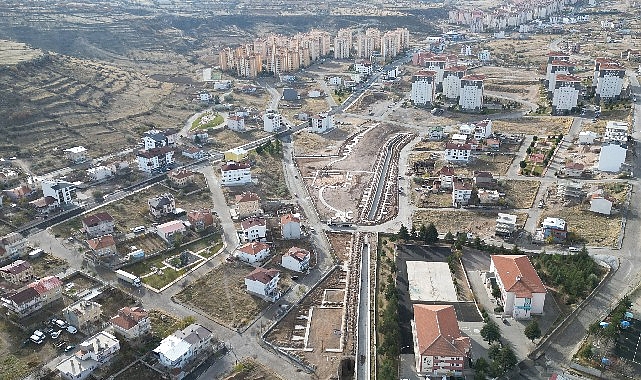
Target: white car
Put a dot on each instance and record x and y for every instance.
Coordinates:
(71, 329)
(38, 337)
(56, 334)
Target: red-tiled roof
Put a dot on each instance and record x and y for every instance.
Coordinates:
(180, 174)
(96, 219)
(447, 171)
(263, 275)
(46, 284)
(567, 78)
(297, 253)
(473, 77)
(451, 145)
(234, 166)
(425, 73)
(253, 248)
(101, 242)
(438, 333)
(16, 267)
(518, 275)
(456, 68)
(251, 222)
(155, 152)
(289, 218)
(247, 196)
(129, 317)
(204, 216)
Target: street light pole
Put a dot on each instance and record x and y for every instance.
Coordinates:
(231, 349)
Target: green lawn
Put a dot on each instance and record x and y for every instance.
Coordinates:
(158, 281)
(198, 124)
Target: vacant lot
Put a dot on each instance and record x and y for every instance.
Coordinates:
(268, 170)
(544, 125)
(589, 227)
(221, 295)
(308, 105)
(474, 222)
(328, 143)
(520, 194)
(225, 139)
(249, 369)
(48, 265)
(139, 371)
(341, 244)
(495, 164)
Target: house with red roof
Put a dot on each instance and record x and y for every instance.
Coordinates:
(102, 246)
(264, 283)
(522, 291)
(131, 322)
(17, 272)
(439, 347)
(296, 259)
(98, 224)
(201, 219)
(253, 229)
(290, 226)
(253, 253)
(34, 296)
(247, 204)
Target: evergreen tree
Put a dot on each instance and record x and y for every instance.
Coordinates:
(431, 234)
(491, 332)
(532, 330)
(403, 233)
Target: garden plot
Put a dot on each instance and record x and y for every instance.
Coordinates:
(341, 244)
(314, 332)
(220, 294)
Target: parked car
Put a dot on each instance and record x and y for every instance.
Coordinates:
(60, 323)
(38, 337)
(56, 334)
(70, 347)
(71, 329)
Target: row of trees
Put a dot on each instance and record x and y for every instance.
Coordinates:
(388, 326)
(274, 148)
(427, 234)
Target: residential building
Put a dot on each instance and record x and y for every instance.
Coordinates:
(505, 224)
(92, 354)
(446, 177)
(296, 259)
(19, 192)
(471, 94)
(236, 123)
(478, 131)
(481, 178)
(83, 314)
(608, 78)
(461, 193)
(155, 160)
(423, 87)
(170, 230)
(264, 283)
(193, 152)
(253, 253)
(235, 173)
(342, 47)
(435, 133)
(17, 272)
(459, 153)
(103, 246)
(599, 204)
(440, 349)
(611, 158)
(555, 62)
(34, 296)
(272, 122)
(235, 154)
(364, 67)
(565, 93)
(569, 189)
(587, 137)
(364, 45)
(131, 322)
(162, 205)
(100, 173)
(253, 229)
(77, 154)
(573, 169)
(436, 63)
(183, 346)
(522, 292)
(98, 224)
(556, 68)
(247, 204)
(488, 197)
(290, 226)
(181, 177)
(201, 219)
(62, 191)
(616, 132)
(321, 123)
(12, 246)
(154, 138)
(554, 229)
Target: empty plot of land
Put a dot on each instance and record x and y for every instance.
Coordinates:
(430, 281)
(325, 329)
(544, 125)
(592, 228)
(474, 222)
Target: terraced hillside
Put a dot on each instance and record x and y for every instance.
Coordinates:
(54, 102)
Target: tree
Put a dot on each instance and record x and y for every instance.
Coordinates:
(431, 236)
(496, 292)
(403, 233)
(532, 330)
(422, 233)
(449, 238)
(523, 164)
(481, 366)
(491, 332)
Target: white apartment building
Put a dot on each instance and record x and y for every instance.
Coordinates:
(235, 173)
(155, 159)
(296, 259)
(610, 81)
(364, 67)
(236, 123)
(558, 67)
(179, 348)
(264, 282)
(505, 224)
(253, 253)
(423, 87)
(93, 353)
(566, 92)
(452, 81)
(62, 191)
(461, 193)
(321, 123)
(471, 94)
(342, 47)
(253, 229)
(364, 45)
(436, 63)
(457, 152)
(272, 121)
(522, 291)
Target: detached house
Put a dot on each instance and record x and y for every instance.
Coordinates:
(162, 205)
(92, 354)
(290, 226)
(12, 246)
(19, 192)
(181, 347)
(103, 246)
(168, 231)
(131, 322)
(236, 123)
(522, 292)
(155, 160)
(181, 177)
(247, 204)
(253, 253)
(440, 349)
(200, 220)
(34, 296)
(253, 229)
(235, 173)
(264, 283)
(461, 193)
(82, 314)
(98, 224)
(17, 272)
(322, 123)
(272, 121)
(77, 154)
(459, 153)
(555, 229)
(296, 259)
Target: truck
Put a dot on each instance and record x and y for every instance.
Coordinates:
(128, 278)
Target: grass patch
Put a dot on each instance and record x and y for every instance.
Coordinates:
(158, 281)
(387, 331)
(207, 121)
